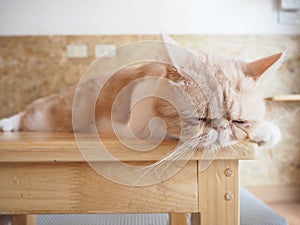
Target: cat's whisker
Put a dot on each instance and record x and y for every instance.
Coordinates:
(241, 146)
(230, 148)
(291, 113)
(244, 149)
(175, 159)
(284, 105)
(167, 161)
(233, 151)
(177, 152)
(195, 137)
(209, 155)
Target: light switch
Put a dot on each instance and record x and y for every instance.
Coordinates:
(289, 17)
(290, 4)
(105, 51)
(77, 51)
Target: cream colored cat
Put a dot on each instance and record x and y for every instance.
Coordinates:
(218, 108)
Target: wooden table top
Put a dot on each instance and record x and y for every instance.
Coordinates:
(62, 147)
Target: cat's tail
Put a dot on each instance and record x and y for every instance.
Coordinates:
(12, 123)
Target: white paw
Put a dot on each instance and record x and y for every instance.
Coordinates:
(267, 134)
(10, 124)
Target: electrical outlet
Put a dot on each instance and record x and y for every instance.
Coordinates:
(289, 17)
(290, 4)
(105, 51)
(77, 51)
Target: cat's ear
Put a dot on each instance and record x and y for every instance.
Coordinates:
(257, 68)
(171, 48)
(166, 38)
(176, 54)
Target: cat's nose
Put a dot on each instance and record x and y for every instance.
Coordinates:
(219, 124)
(219, 128)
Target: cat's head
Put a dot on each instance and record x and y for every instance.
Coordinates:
(216, 102)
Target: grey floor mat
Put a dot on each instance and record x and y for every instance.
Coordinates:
(104, 219)
(253, 212)
(256, 212)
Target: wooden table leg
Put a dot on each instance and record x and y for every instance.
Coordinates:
(195, 219)
(5, 219)
(23, 220)
(178, 218)
(219, 193)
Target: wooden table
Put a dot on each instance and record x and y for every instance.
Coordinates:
(45, 173)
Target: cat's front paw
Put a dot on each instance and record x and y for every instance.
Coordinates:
(266, 134)
(10, 124)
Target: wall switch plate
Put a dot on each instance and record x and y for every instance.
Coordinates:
(289, 17)
(77, 51)
(105, 51)
(290, 4)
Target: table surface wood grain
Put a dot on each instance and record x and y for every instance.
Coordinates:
(62, 147)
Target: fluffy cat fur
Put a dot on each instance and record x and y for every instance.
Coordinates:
(230, 113)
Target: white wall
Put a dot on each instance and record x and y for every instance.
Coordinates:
(49, 17)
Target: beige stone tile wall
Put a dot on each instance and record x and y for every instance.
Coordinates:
(35, 66)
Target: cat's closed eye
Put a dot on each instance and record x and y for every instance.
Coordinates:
(202, 119)
(240, 122)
